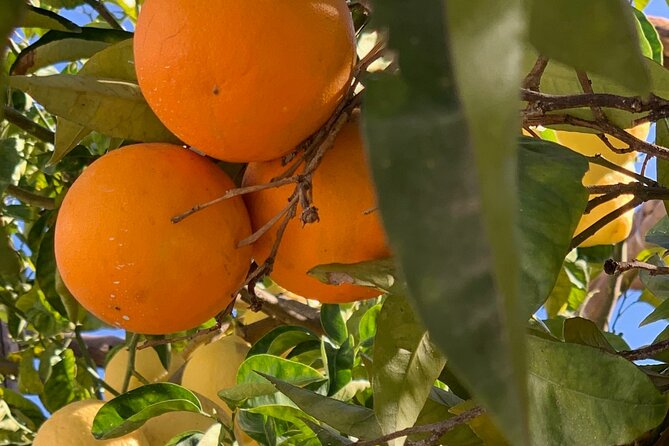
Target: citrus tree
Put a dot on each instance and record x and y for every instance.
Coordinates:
(332, 223)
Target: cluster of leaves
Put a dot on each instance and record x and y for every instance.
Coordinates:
(481, 225)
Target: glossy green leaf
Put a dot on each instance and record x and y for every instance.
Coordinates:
(333, 323)
(340, 364)
(59, 46)
(367, 327)
(455, 191)
(354, 420)
(406, 365)
(46, 272)
(280, 339)
(640, 4)
(45, 19)
(564, 30)
(114, 108)
(581, 395)
(285, 417)
(280, 368)
(190, 438)
(237, 395)
(131, 410)
(552, 200)
(648, 33)
(62, 388)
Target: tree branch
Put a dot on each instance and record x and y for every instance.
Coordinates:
(608, 218)
(435, 429)
(31, 198)
(101, 9)
(645, 352)
(612, 267)
(28, 125)
(533, 78)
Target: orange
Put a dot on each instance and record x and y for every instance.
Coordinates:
(126, 262)
(349, 229)
(244, 82)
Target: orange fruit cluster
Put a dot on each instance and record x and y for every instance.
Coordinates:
(242, 84)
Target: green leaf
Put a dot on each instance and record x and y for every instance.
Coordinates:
(333, 323)
(436, 411)
(648, 34)
(640, 4)
(190, 438)
(114, 108)
(45, 267)
(22, 408)
(62, 388)
(114, 62)
(340, 364)
(281, 339)
(353, 420)
(9, 259)
(367, 327)
(59, 46)
(327, 435)
(455, 191)
(379, 274)
(658, 285)
(581, 395)
(131, 410)
(583, 331)
(662, 139)
(552, 200)
(286, 418)
(406, 365)
(564, 30)
(235, 396)
(9, 160)
(659, 234)
(280, 368)
(12, 13)
(29, 380)
(561, 79)
(659, 313)
(45, 19)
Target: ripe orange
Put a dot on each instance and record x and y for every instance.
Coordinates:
(260, 78)
(126, 262)
(349, 229)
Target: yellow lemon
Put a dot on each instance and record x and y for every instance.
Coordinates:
(71, 426)
(213, 367)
